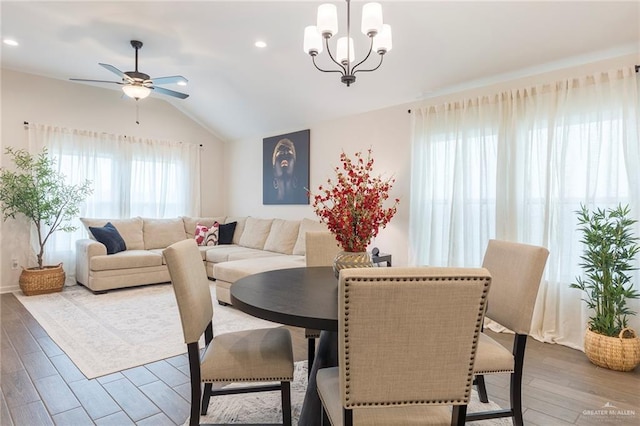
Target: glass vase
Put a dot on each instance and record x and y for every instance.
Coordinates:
(348, 259)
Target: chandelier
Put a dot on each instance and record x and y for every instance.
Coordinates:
(327, 26)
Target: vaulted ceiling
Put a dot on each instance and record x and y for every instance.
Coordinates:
(238, 90)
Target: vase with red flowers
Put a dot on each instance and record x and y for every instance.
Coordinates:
(353, 208)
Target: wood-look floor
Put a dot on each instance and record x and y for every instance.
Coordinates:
(41, 385)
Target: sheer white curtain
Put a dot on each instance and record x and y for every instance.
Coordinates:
(516, 166)
(130, 177)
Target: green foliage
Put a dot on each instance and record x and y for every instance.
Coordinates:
(36, 190)
(610, 249)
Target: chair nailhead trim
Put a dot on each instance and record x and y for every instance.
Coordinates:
(492, 371)
(250, 379)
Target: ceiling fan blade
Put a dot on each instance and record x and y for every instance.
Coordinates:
(168, 80)
(116, 71)
(95, 81)
(170, 92)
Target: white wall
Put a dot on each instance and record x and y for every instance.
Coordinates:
(42, 100)
(388, 132)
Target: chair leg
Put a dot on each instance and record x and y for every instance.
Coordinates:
(196, 391)
(347, 417)
(285, 394)
(515, 393)
(516, 398)
(324, 421)
(482, 388)
(458, 415)
(311, 354)
(206, 396)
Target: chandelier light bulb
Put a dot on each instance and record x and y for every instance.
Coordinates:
(341, 50)
(382, 42)
(327, 20)
(371, 19)
(312, 40)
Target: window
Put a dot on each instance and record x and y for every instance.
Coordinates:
(517, 166)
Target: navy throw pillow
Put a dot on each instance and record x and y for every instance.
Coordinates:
(225, 233)
(110, 237)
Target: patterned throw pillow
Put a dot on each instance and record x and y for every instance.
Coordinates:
(206, 236)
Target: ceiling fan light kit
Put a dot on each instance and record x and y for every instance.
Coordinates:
(135, 91)
(138, 85)
(327, 26)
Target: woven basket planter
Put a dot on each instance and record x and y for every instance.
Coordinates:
(620, 353)
(34, 281)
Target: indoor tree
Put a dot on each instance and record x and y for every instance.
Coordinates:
(38, 191)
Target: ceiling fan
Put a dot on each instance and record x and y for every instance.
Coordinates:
(139, 85)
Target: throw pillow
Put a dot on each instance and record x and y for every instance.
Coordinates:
(211, 239)
(110, 237)
(207, 235)
(200, 233)
(226, 232)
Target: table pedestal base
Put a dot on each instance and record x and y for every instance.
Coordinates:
(326, 356)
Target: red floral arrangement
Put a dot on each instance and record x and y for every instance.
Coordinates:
(352, 207)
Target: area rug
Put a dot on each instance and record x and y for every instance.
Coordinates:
(124, 328)
(264, 407)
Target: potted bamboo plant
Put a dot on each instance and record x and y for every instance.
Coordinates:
(609, 251)
(35, 189)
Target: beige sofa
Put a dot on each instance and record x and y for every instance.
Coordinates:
(258, 245)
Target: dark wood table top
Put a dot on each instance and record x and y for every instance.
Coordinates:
(302, 297)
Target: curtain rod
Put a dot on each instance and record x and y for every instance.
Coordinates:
(26, 123)
(637, 68)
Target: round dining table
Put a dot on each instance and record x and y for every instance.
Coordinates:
(303, 297)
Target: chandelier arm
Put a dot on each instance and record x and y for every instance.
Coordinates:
(353, 69)
(344, 69)
(372, 69)
(313, 58)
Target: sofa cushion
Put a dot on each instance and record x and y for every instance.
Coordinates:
(282, 236)
(110, 237)
(224, 253)
(130, 230)
(255, 232)
(253, 254)
(191, 222)
(161, 233)
(226, 231)
(307, 225)
(125, 259)
(234, 270)
(239, 227)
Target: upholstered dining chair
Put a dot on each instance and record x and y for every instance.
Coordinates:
(320, 250)
(407, 339)
(516, 270)
(263, 355)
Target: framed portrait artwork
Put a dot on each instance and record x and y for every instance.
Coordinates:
(285, 168)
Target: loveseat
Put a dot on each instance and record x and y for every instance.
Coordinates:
(255, 245)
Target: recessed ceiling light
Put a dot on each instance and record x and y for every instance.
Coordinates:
(261, 44)
(10, 42)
